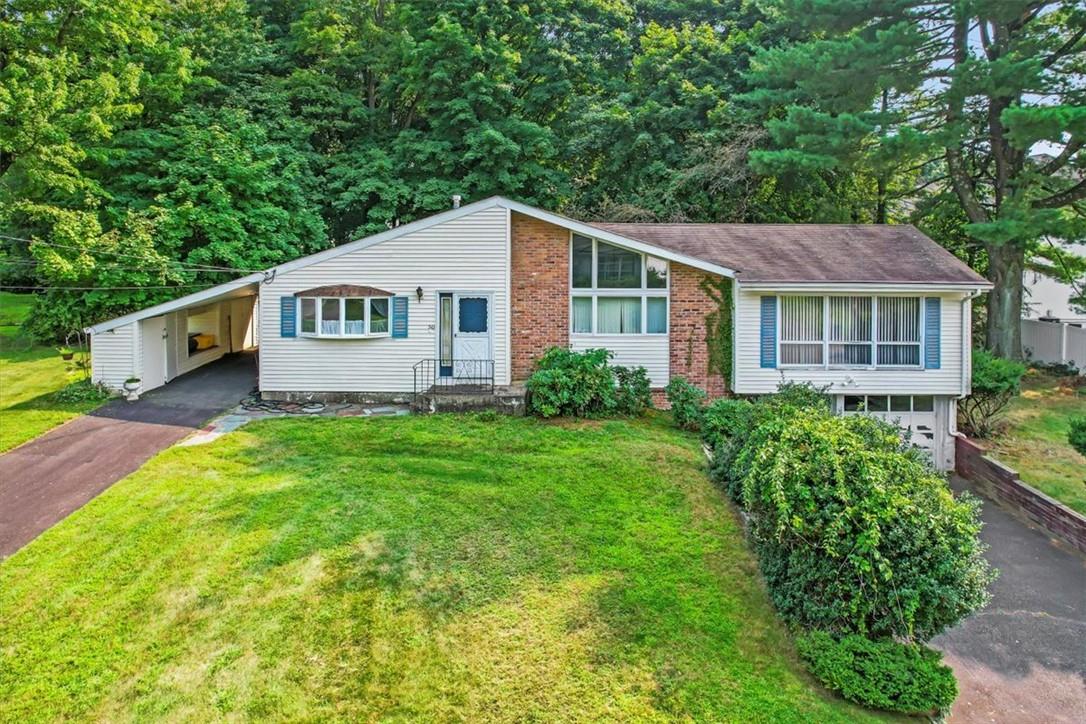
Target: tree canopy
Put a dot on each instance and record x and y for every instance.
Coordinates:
(979, 104)
(148, 148)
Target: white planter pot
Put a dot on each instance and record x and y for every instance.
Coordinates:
(131, 391)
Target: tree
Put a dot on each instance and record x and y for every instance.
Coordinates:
(965, 91)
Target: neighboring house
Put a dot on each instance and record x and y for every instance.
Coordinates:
(877, 314)
(1050, 299)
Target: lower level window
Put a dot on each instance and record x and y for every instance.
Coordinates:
(889, 403)
(344, 316)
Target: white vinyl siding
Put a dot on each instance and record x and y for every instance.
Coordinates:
(751, 378)
(115, 355)
(649, 351)
(465, 254)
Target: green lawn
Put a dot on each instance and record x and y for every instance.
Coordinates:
(29, 375)
(419, 568)
(1035, 441)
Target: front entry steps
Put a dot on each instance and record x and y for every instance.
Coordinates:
(505, 400)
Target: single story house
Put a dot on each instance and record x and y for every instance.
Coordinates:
(878, 314)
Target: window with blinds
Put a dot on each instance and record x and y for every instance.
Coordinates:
(899, 331)
(850, 331)
(802, 330)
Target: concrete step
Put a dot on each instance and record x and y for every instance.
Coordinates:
(504, 400)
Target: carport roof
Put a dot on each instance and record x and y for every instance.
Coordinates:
(244, 287)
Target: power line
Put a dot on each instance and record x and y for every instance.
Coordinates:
(110, 267)
(193, 267)
(40, 288)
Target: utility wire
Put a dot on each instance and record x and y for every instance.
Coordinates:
(40, 288)
(194, 267)
(109, 266)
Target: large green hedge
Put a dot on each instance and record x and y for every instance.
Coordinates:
(856, 534)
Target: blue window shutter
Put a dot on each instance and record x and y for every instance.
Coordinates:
(399, 317)
(769, 332)
(932, 332)
(288, 317)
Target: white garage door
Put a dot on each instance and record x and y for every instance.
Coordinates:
(915, 413)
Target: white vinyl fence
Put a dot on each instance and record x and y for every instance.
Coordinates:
(1055, 343)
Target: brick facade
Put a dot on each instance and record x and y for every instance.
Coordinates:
(688, 333)
(540, 305)
(539, 289)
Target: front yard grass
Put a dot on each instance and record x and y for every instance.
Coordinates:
(29, 375)
(413, 569)
(1035, 440)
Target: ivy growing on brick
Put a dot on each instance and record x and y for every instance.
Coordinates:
(718, 326)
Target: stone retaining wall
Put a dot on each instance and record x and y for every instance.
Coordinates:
(1002, 484)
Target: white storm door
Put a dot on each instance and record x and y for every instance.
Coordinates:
(473, 326)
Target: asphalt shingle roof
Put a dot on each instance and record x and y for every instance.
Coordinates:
(810, 252)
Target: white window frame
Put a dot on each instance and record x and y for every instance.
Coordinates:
(343, 318)
(595, 293)
(874, 342)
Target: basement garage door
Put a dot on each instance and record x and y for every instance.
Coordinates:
(915, 413)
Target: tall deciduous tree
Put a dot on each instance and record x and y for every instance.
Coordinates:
(969, 91)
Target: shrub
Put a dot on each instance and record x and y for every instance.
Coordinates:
(1076, 436)
(81, 391)
(797, 396)
(996, 381)
(584, 384)
(853, 534)
(687, 401)
(633, 394)
(880, 674)
(724, 420)
(579, 384)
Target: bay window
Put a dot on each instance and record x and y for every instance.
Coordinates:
(344, 317)
(850, 331)
(615, 290)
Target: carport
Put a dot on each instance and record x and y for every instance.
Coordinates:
(163, 342)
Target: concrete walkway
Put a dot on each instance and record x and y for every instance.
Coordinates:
(47, 478)
(1023, 658)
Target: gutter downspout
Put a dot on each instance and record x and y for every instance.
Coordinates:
(967, 344)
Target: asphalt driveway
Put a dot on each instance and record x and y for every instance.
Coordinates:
(46, 479)
(1023, 658)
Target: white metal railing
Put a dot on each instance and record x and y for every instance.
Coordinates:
(1054, 343)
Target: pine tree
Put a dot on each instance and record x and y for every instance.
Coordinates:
(968, 93)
